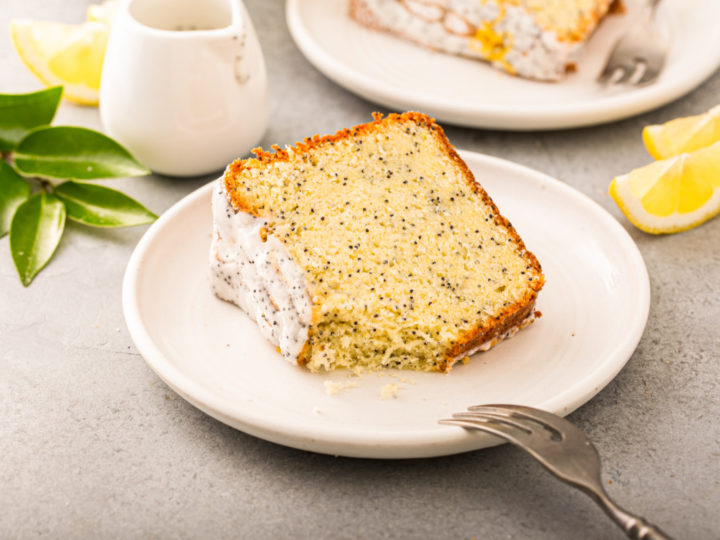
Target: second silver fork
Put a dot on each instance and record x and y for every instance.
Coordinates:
(561, 448)
(639, 55)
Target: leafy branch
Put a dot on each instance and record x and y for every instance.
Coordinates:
(44, 175)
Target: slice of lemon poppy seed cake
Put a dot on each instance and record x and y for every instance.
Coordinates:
(371, 247)
(537, 39)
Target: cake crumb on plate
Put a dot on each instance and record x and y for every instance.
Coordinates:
(389, 391)
(332, 388)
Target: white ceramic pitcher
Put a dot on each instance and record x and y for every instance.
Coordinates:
(184, 86)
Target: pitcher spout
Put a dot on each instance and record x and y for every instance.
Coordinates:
(185, 15)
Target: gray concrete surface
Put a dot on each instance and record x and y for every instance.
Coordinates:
(94, 445)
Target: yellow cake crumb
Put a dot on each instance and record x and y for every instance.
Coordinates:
(333, 388)
(389, 391)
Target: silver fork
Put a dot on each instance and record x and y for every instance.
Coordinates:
(561, 448)
(639, 55)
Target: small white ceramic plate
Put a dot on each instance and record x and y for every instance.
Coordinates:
(403, 76)
(595, 305)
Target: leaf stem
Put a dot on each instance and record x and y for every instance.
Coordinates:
(45, 185)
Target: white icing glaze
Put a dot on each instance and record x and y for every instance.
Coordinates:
(429, 12)
(535, 53)
(489, 344)
(258, 276)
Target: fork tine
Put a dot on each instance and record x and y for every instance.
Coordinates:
(652, 71)
(504, 431)
(546, 419)
(628, 72)
(607, 73)
(491, 417)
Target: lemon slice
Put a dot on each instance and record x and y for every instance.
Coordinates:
(683, 134)
(70, 55)
(671, 195)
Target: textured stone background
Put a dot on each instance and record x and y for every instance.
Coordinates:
(93, 444)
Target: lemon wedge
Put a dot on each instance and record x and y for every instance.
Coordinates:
(64, 54)
(671, 195)
(683, 134)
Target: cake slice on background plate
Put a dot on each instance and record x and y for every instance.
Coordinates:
(536, 39)
(373, 247)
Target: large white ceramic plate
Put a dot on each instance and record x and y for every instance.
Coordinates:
(403, 76)
(595, 305)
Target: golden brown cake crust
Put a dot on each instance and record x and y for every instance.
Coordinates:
(358, 10)
(502, 322)
(546, 53)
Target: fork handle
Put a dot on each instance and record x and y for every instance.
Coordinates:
(634, 526)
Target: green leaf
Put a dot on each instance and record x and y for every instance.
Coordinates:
(101, 206)
(19, 113)
(14, 190)
(35, 232)
(74, 153)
